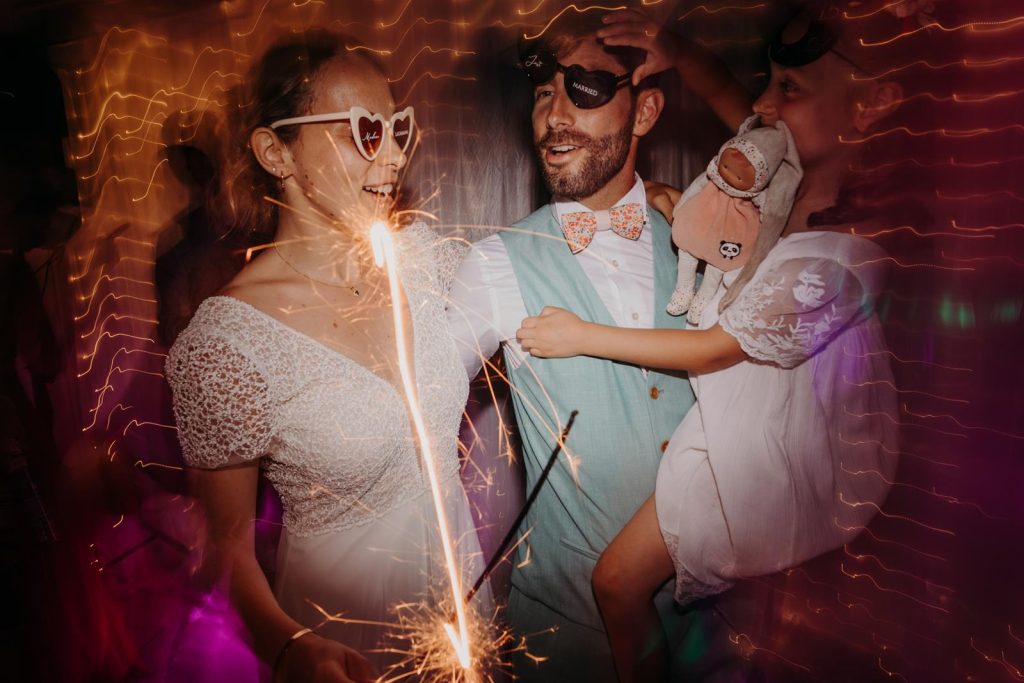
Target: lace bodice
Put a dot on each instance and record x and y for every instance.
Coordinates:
(335, 438)
(799, 301)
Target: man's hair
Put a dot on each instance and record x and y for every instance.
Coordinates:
(573, 27)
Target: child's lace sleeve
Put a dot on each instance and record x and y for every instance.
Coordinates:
(222, 403)
(791, 312)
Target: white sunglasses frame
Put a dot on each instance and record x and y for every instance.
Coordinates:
(352, 114)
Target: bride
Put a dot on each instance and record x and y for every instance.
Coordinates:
(293, 369)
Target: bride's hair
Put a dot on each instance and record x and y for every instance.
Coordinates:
(282, 84)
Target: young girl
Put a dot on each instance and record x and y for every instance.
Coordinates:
(787, 453)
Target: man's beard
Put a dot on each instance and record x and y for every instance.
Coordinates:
(604, 157)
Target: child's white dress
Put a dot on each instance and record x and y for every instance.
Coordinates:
(786, 455)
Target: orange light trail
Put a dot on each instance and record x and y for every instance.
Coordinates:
(97, 325)
(890, 259)
(966, 63)
(875, 537)
(435, 77)
(578, 11)
(980, 195)
(953, 500)
(862, 557)
(906, 361)
(883, 589)
(426, 48)
(890, 515)
(106, 39)
(950, 162)
(868, 383)
(916, 233)
(1013, 670)
(715, 10)
(969, 133)
(521, 13)
(92, 355)
(974, 27)
(987, 228)
(151, 179)
(960, 424)
(891, 674)
(103, 154)
(109, 296)
(904, 424)
(395, 48)
(259, 16)
(384, 254)
(879, 444)
(199, 56)
(401, 13)
(736, 639)
(146, 423)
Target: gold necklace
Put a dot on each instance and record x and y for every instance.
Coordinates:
(351, 286)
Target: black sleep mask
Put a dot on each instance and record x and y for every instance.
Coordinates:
(819, 38)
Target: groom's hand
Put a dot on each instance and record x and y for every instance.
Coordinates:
(555, 333)
(632, 28)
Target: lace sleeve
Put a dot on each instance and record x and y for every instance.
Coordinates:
(447, 253)
(222, 403)
(795, 309)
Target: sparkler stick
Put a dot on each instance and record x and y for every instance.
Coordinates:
(499, 554)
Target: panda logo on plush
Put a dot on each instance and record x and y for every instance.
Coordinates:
(729, 250)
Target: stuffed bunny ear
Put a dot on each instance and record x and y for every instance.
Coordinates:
(749, 124)
(791, 157)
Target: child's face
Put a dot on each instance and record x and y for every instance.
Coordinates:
(736, 170)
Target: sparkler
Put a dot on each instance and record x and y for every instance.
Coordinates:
(384, 256)
(500, 553)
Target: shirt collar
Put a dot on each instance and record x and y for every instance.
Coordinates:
(636, 194)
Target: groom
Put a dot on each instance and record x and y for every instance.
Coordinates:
(600, 251)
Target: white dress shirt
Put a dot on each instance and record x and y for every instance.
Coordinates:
(486, 306)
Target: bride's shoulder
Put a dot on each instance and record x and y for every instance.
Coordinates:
(440, 253)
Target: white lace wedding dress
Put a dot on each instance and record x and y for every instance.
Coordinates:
(360, 531)
(789, 454)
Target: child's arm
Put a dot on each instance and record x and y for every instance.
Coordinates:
(662, 197)
(701, 70)
(557, 333)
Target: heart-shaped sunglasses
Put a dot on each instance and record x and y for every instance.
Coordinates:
(586, 89)
(367, 129)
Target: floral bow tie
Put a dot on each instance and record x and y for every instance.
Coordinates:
(579, 227)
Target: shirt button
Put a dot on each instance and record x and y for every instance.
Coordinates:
(655, 393)
(615, 263)
(636, 316)
(664, 445)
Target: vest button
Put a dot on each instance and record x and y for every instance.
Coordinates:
(664, 445)
(655, 393)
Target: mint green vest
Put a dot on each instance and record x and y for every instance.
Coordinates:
(617, 440)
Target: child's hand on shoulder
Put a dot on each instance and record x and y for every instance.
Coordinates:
(555, 333)
(662, 197)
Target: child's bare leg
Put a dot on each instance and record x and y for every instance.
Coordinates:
(635, 564)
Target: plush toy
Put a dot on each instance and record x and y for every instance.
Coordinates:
(734, 213)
